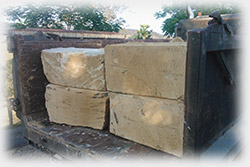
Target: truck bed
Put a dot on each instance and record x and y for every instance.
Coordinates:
(82, 142)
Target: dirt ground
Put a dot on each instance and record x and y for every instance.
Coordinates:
(17, 147)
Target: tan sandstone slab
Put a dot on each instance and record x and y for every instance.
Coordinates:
(149, 69)
(77, 107)
(75, 67)
(157, 123)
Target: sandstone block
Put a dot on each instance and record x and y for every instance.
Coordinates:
(75, 67)
(157, 123)
(149, 69)
(77, 107)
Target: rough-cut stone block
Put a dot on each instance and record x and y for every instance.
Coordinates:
(154, 122)
(77, 107)
(150, 69)
(75, 67)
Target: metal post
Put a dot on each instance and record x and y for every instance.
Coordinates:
(10, 112)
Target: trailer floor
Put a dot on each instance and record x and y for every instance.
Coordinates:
(226, 148)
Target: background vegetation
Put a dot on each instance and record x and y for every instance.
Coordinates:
(71, 17)
(175, 12)
(144, 32)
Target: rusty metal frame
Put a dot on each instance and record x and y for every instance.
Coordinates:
(202, 42)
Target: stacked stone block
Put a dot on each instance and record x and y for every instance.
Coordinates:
(148, 85)
(144, 83)
(77, 92)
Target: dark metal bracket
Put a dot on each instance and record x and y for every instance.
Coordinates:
(40, 36)
(220, 30)
(205, 100)
(15, 104)
(225, 68)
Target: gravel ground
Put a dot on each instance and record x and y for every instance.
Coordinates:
(18, 147)
(27, 152)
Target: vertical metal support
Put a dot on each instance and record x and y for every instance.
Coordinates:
(16, 84)
(194, 85)
(202, 77)
(10, 112)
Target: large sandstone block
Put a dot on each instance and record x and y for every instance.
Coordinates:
(157, 123)
(77, 107)
(75, 67)
(149, 69)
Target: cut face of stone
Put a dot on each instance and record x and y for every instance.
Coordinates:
(77, 107)
(154, 122)
(148, 69)
(75, 67)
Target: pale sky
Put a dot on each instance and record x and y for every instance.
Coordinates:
(142, 13)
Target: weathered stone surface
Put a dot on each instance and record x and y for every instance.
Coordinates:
(150, 69)
(75, 67)
(176, 39)
(154, 122)
(77, 107)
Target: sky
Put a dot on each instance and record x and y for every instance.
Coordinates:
(138, 13)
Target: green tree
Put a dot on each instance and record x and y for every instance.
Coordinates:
(144, 33)
(110, 13)
(33, 16)
(94, 19)
(76, 17)
(175, 12)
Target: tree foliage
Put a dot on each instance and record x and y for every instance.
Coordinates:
(110, 13)
(144, 33)
(175, 12)
(76, 17)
